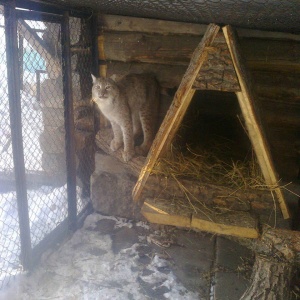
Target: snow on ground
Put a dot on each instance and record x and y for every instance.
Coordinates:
(86, 267)
(47, 205)
(47, 209)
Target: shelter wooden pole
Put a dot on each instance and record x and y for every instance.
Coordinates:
(177, 110)
(253, 125)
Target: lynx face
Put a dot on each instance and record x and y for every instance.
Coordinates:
(104, 90)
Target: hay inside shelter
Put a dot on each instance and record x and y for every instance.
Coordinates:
(189, 168)
(205, 165)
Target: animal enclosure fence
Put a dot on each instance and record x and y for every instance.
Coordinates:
(47, 132)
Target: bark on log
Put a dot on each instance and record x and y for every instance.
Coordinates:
(128, 24)
(263, 55)
(270, 281)
(277, 255)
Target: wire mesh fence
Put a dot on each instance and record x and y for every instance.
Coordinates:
(81, 40)
(43, 124)
(272, 15)
(9, 233)
(44, 135)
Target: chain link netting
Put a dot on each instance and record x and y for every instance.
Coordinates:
(9, 228)
(43, 133)
(80, 37)
(42, 103)
(272, 15)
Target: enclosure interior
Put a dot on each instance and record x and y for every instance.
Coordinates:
(213, 122)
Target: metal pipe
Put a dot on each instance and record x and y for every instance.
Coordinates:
(53, 8)
(13, 76)
(69, 122)
(38, 16)
(21, 60)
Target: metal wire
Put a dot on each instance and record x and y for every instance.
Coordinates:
(272, 15)
(9, 229)
(43, 124)
(81, 61)
(43, 133)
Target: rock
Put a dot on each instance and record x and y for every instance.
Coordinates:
(111, 188)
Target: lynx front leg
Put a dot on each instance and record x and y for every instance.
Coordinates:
(128, 142)
(117, 141)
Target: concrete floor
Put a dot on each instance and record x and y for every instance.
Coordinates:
(112, 258)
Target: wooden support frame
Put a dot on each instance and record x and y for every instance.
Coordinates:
(183, 98)
(253, 125)
(177, 110)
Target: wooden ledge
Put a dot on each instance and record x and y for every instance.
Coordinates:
(239, 224)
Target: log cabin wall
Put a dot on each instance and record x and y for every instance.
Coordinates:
(136, 45)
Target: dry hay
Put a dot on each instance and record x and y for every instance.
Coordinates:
(206, 166)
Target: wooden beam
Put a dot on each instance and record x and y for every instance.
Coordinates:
(146, 48)
(128, 24)
(234, 223)
(34, 40)
(265, 55)
(177, 110)
(227, 225)
(158, 216)
(253, 125)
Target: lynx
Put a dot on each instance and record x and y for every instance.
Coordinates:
(130, 105)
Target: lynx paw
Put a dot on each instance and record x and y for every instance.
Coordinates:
(115, 145)
(127, 156)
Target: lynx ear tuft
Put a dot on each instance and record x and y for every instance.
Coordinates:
(94, 78)
(114, 77)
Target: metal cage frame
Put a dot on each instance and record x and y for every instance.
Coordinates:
(30, 10)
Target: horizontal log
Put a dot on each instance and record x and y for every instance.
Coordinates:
(260, 54)
(137, 47)
(169, 76)
(280, 244)
(208, 194)
(132, 24)
(273, 91)
(128, 24)
(282, 85)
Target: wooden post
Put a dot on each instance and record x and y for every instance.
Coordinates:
(249, 111)
(177, 110)
(103, 71)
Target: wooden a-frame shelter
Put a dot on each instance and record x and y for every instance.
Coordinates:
(216, 64)
(237, 81)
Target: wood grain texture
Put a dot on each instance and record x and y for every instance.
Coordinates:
(132, 24)
(239, 224)
(253, 124)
